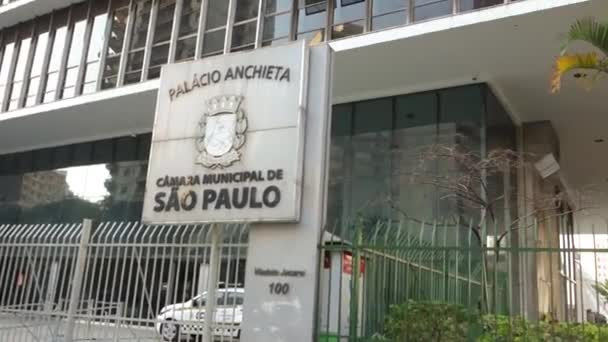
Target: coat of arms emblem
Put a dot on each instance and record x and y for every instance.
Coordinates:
(222, 130)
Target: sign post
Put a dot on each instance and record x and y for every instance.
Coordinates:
(245, 138)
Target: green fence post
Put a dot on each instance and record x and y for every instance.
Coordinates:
(354, 298)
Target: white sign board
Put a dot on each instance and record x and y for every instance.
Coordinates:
(227, 144)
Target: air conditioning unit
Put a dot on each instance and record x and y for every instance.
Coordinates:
(547, 166)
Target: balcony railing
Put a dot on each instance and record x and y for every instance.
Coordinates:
(103, 44)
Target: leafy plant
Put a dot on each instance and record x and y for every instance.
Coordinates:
(602, 290)
(437, 322)
(425, 322)
(596, 62)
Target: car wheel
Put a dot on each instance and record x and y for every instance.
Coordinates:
(169, 332)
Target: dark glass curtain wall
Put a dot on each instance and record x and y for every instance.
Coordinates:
(376, 147)
(103, 180)
(374, 150)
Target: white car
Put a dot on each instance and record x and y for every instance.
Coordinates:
(184, 320)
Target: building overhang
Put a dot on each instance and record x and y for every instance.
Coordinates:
(512, 48)
(118, 112)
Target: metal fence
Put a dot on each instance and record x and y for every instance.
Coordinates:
(405, 280)
(121, 282)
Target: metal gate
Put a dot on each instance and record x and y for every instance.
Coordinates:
(121, 282)
(403, 280)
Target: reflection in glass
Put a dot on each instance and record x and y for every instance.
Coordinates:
(164, 21)
(159, 58)
(427, 9)
(245, 10)
(60, 27)
(139, 35)
(186, 49)
(467, 5)
(388, 13)
(102, 192)
(23, 46)
(214, 42)
(215, 27)
(376, 147)
(120, 15)
(217, 15)
(42, 32)
(8, 48)
(277, 22)
(162, 34)
(274, 6)
(244, 35)
(312, 20)
(188, 27)
(76, 47)
(96, 46)
(188, 23)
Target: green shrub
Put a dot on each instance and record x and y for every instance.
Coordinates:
(426, 322)
(438, 322)
(514, 329)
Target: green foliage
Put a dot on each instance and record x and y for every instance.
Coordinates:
(602, 290)
(589, 30)
(515, 329)
(424, 322)
(437, 322)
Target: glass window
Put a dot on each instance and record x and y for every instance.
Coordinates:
(245, 24)
(217, 14)
(376, 149)
(415, 129)
(100, 19)
(277, 21)
(349, 18)
(76, 49)
(120, 16)
(460, 117)
(186, 48)
(188, 23)
(243, 35)
(371, 140)
(427, 9)
(158, 59)
(22, 47)
(388, 13)
(162, 36)
(42, 41)
(8, 48)
(467, 5)
(60, 21)
(215, 27)
(245, 10)
(233, 299)
(188, 28)
(340, 177)
(164, 21)
(66, 184)
(312, 17)
(135, 58)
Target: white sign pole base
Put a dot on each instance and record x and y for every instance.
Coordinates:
(283, 258)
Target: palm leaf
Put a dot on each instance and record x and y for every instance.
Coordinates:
(567, 63)
(588, 30)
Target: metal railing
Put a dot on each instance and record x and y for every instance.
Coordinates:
(121, 282)
(384, 280)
